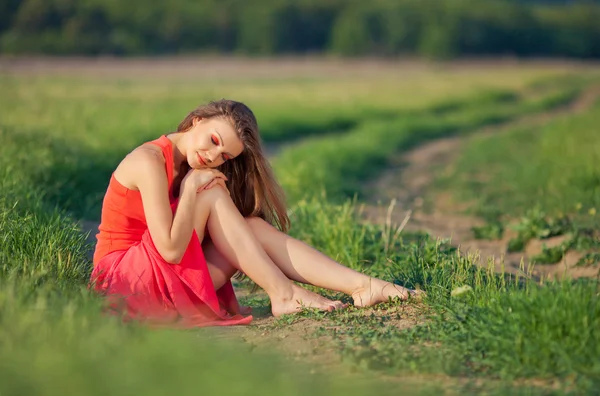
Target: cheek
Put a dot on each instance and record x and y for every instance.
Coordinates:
(203, 148)
(201, 142)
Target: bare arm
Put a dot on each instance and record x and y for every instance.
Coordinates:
(144, 169)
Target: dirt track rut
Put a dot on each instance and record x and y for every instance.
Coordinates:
(409, 179)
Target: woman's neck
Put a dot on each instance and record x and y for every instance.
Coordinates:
(179, 157)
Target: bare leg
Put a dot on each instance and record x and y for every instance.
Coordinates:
(304, 264)
(234, 239)
(220, 269)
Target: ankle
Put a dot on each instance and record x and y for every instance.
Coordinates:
(282, 292)
(364, 285)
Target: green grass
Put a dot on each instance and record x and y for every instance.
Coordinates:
(85, 126)
(341, 164)
(61, 137)
(503, 327)
(51, 343)
(553, 167)
(116, 113)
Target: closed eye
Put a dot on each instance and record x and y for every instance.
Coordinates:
(214, 140)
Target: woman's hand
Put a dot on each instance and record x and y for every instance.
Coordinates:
(216, 182)
(201, 179)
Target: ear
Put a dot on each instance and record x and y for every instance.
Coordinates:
(196, 120)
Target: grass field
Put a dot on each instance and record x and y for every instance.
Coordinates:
(62, 133)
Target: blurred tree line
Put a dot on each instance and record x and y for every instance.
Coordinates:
(431, 28)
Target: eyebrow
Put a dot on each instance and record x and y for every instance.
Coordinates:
(223, 143)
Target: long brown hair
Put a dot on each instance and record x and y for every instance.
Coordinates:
(251, 181)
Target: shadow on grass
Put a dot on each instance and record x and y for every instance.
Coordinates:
(67, 176)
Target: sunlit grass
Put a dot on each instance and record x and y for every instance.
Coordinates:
(52, 343)
(117, 112)
(60, 137)
(500, 326)
(553, 166)
(340, 164)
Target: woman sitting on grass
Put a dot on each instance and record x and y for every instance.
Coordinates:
(185, 212)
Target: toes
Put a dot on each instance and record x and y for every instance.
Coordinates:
(339, 305)
(417, 294)
(405, 293)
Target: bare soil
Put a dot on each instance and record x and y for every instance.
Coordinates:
(409, 183)
(206, 67)
(297, 341)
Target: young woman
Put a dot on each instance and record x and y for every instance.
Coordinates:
(185, 212)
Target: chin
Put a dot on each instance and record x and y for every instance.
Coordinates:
(192, 164)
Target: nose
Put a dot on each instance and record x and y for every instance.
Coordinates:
(211, 155)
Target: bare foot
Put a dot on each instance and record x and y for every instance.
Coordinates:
(302, 298)
(378, 291)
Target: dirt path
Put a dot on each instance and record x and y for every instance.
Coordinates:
(239, 67)
(411, 175)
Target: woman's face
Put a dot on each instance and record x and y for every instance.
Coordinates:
(211, 142)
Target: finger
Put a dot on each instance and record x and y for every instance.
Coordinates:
(221, 182)
(217, 182)
(210, 184)
(206, 185)
(219, 174)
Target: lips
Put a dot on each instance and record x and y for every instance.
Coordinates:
(201, 160)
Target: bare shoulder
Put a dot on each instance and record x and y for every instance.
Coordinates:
(144, 161)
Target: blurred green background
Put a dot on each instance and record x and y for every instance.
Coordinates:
(430, 28)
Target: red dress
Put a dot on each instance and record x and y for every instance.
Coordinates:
(139, 282)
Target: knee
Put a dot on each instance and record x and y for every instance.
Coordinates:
(257, 224)
(207, 201)
(261, 229)
(213, 194)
